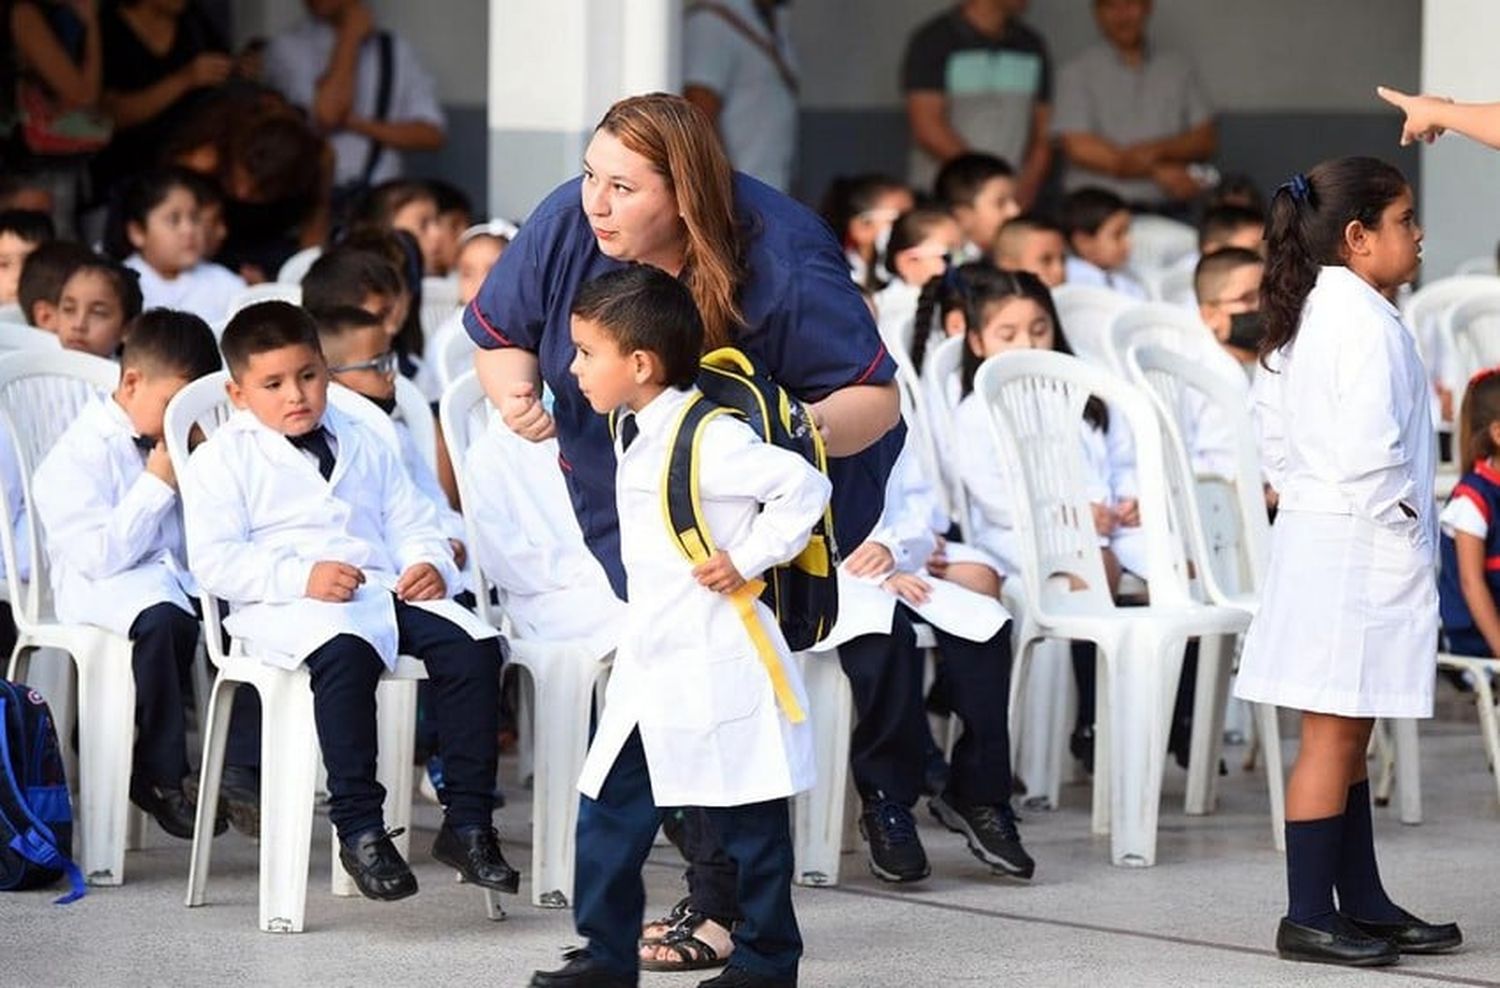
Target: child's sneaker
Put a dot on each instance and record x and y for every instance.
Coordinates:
(896, 852)
(990, 832)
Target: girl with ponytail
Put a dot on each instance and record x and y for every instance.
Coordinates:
(922, 241)
(1348, 622)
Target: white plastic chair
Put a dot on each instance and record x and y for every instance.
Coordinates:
(41, 393)
(11, 312)
(1484, 701)
(295, 268)
(1157, 243)
(1228, 535)
(1482, 264)
(939, 392)
(564, 676)
(1086, 313)
(439, 302)
(1424, 313)
(1472, 326)
(1167, 325)
(1036, 400)
(289, 747)
(1174, 286)
(452, 350)
(270, 291)
(19, 336)
(820, 814)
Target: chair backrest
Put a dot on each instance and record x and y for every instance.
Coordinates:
(416, 411)
(1423, 313)
(1157, 242)
(41, 394)
(919, 431)
(205, 404)
(439, 302)
(295, 268)
(1472, 327)
(1036, 400)
(1174, 286)
(1224, 518)
(455, 350)
(464, 413)
(271, 291)
(1482, 264)
(940, 375)
(1086, 313)
(1165, 325)
(19, 336)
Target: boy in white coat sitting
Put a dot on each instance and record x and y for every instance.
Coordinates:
(692, 717)
(307, 524)
(106, 498)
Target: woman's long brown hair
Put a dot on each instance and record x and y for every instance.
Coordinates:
(679, 141)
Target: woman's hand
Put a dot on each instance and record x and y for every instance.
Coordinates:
(1128, 512)
(1423, 114)
(523, 413)
(937, 563)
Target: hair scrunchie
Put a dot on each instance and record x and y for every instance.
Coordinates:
(1297, 187)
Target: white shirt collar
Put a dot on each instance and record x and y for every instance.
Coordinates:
(1347, 280)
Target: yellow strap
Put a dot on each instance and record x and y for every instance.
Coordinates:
(744, 602)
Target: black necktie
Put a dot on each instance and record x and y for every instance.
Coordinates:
(628, 431)
(316, 443)
(145, 444)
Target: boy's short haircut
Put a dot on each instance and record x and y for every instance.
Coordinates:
(1014, 230)
(126, 282)
(1214, 269)
(960, 180)
(1085, 210)
(206, 189)
(345, 275)
(167, 341)
(450, 198)
(644, 308)
(263, 327)
(46, 270)
(336, 322)
(28, 225)
(1220, 222)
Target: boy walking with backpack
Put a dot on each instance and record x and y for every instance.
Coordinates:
(705, 707)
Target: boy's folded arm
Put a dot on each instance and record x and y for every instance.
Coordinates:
(223, 559)
(85, 530)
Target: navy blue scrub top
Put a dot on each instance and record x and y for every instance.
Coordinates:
(806, 325)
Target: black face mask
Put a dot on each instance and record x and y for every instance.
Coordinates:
(387, 405)
(1246, 330)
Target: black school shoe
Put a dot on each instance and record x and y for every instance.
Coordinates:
(171, 807)
(1346, 945)
(896, 853)
(239, 799)
(1413, 936)
(475, 853)
(738, 977)
(990, 832)
(378, 870)
(580, 971)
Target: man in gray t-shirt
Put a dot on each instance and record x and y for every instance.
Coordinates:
(1129, 118)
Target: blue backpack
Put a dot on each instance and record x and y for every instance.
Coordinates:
(36, 814)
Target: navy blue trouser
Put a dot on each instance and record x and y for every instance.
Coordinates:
(465, 677)
(164, 639)
(887, 751)
(978, 675)
(614, 838)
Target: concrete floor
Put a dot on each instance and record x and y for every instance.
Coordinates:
(1205, 915)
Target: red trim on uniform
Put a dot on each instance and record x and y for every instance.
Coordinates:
(1474, 497)
(1487, 472)
(485, 324)
(873, 364)
(562, 461)
(1492, 563)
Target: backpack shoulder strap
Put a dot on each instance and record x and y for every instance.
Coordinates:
(682, 505)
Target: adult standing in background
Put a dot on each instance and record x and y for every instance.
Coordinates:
(740, 69)
(1131, 118)
(977, 78)
(362, 86)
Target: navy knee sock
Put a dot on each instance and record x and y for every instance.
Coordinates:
(1312, 861)
(1361, 894)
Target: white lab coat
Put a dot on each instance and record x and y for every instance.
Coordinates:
(260, 515)
(908, 528)
(528, 543)
(1348, 623)
(686, 672)
(112, 531)
(1077, 271)
(205, 289)
(895, 316)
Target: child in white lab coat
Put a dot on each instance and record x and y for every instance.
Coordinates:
(922, 243)
(1097, 224)
(1348, 623)
(106, 497)
(696, 715)
(306, 523)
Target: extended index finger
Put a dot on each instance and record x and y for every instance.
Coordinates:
(1395, 97)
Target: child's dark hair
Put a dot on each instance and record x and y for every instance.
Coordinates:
(1237, 189)
(1480, 410)
(1308, 217)
(400, 249)
(450, 198)
(1019, 226)
(1085, 210)
(344, 275)
(910, 229)
(960, 180)
(644, 308)
(336, 322)
(45, 271)
(125, 282)
(1221, 222)
(166, 341)
(379, 206)
(850, 195)
(28, 225)
(263, 327)
(1213, 269)
(140, 195)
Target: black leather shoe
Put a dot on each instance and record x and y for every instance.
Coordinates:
(1345, 945)
(1412, 936)
(581, 971)
(738, 977)
(171, 807)
(376, 866)
(475, 853)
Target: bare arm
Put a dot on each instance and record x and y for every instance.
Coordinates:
(512, 378)
(1427, 117)
(403, 135)
(138, 106)
(333, 97)
(1090, 151)
(1038, 159)
(1197, 144)
(927, 113)
(1470, 552)
(853, 418)
(75, 85)
(704, 99)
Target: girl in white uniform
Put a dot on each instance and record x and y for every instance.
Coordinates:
(921, 242)
(1348, 625)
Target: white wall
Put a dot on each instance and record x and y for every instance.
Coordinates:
(1460, 179)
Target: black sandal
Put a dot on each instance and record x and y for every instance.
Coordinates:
(692, 953)
(673, 920)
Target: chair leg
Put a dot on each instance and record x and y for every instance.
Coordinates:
(289, 768)
(215, 739)
(1141, 693)
(1210, 700)
(106, 720)
(1107, 655)
(1489, 724)
(1408, 769)
(1269, 730)
(818, 815)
